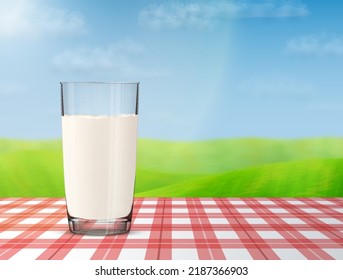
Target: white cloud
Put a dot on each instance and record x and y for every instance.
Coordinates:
(32, 18)
(87, 59)
(275, 86)
(204, 14)
(119, 59)
(315, 45)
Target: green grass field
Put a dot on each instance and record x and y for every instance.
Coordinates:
(246, 167)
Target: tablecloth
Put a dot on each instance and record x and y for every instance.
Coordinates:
(180, 229)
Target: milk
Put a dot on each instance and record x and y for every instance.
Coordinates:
(99, 155)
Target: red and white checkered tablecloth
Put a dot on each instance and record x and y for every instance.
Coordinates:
(180, 228)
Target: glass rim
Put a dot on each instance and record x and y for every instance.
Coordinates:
(102, 83)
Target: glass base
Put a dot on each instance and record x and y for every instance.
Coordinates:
(99, 227)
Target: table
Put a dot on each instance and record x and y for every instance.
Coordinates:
(180, 229)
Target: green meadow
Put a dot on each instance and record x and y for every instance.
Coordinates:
(246, 167)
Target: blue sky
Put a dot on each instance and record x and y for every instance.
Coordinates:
(208, 69)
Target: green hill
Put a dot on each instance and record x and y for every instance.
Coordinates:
(307, 178)
(31, 168)
(220, 155)
(222, 167)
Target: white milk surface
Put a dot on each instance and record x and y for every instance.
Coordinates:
(99, 156)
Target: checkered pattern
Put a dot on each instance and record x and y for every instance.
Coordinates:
(176, 228)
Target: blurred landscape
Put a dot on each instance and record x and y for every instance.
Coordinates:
(237, 167)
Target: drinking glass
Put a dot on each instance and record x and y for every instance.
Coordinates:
(99, 136)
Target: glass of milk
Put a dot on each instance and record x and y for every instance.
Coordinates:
(99, 135)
